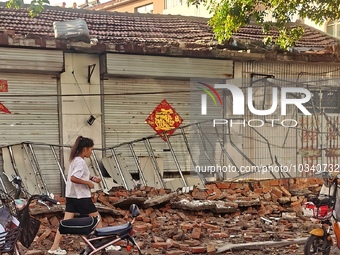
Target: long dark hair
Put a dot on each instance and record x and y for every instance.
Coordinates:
(79, 145)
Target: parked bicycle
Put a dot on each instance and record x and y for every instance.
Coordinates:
(322, 208)
(98, 240)
(15, 219)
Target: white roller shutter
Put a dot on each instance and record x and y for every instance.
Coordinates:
(31, 60)
(170, 67)
(33, 102)
(127, 104)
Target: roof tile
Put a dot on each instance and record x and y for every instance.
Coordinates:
(113, 27)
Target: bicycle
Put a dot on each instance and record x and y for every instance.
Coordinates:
(17, 223)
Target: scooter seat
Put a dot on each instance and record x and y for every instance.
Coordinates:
(78, 226)
(114, 230)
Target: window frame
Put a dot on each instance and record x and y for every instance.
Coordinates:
(144, 6)
(173, 3)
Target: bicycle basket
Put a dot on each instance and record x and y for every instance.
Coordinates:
(30, 227)
(8, 240)
(320, 208)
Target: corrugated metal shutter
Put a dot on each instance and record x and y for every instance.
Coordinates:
(127, 104)
(4, 180)
(33, 102)
(34, 60)
(284, 143)
(174, 67)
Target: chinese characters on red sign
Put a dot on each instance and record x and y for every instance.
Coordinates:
(164, 119)
(3, 88)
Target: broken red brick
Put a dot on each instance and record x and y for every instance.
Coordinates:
(210, 226)
(211, 249)
(223, 185)
(196, 233)
(44, 235)
(175, 252)
(54, 221)
(220, 235)
(161, 245)
(198, 249)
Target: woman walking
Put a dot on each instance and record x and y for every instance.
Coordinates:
(78, 187)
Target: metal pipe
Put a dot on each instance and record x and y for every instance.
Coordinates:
(119, 168)
(225, 151)
(11, 154)
(202, 136)
(58, 163)
(175, 159)
(148, 147)
(137, 164)
(3, 185)
(100, 172)
(190, 154)
(35, 165)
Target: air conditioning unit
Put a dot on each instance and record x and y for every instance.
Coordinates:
(72, 29)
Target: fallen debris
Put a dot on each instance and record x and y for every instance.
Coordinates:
(225, 216)
(159, 200)
(260, 245)
(199, 205)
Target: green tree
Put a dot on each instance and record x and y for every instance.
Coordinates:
(229, 15)
(35, 7)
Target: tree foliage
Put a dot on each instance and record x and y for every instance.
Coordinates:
(35, 7)
(229, 15)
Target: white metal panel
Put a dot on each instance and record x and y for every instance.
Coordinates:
(173, 67)
(33, 102)
(127, 104)
(35, 60)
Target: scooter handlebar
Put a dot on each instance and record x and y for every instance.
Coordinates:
(46, 198)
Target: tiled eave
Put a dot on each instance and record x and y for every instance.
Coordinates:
(201, 50)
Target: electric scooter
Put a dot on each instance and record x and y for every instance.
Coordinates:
(98, 239)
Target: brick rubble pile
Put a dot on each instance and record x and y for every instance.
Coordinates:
(199, 221)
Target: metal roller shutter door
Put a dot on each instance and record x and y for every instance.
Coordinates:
(127, 104)
(33, 102)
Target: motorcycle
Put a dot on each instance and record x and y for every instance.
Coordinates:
(98, 239)
(324, 208)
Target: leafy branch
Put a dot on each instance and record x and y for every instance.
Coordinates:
(228, 16)
(36, 6)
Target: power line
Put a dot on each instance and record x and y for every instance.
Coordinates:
(96, 94)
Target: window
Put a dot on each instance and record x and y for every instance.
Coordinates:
(172, 3)
(145, 9)
(333, 28)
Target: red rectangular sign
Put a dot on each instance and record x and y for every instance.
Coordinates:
(3, 86)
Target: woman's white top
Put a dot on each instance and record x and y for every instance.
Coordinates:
(78, 168)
